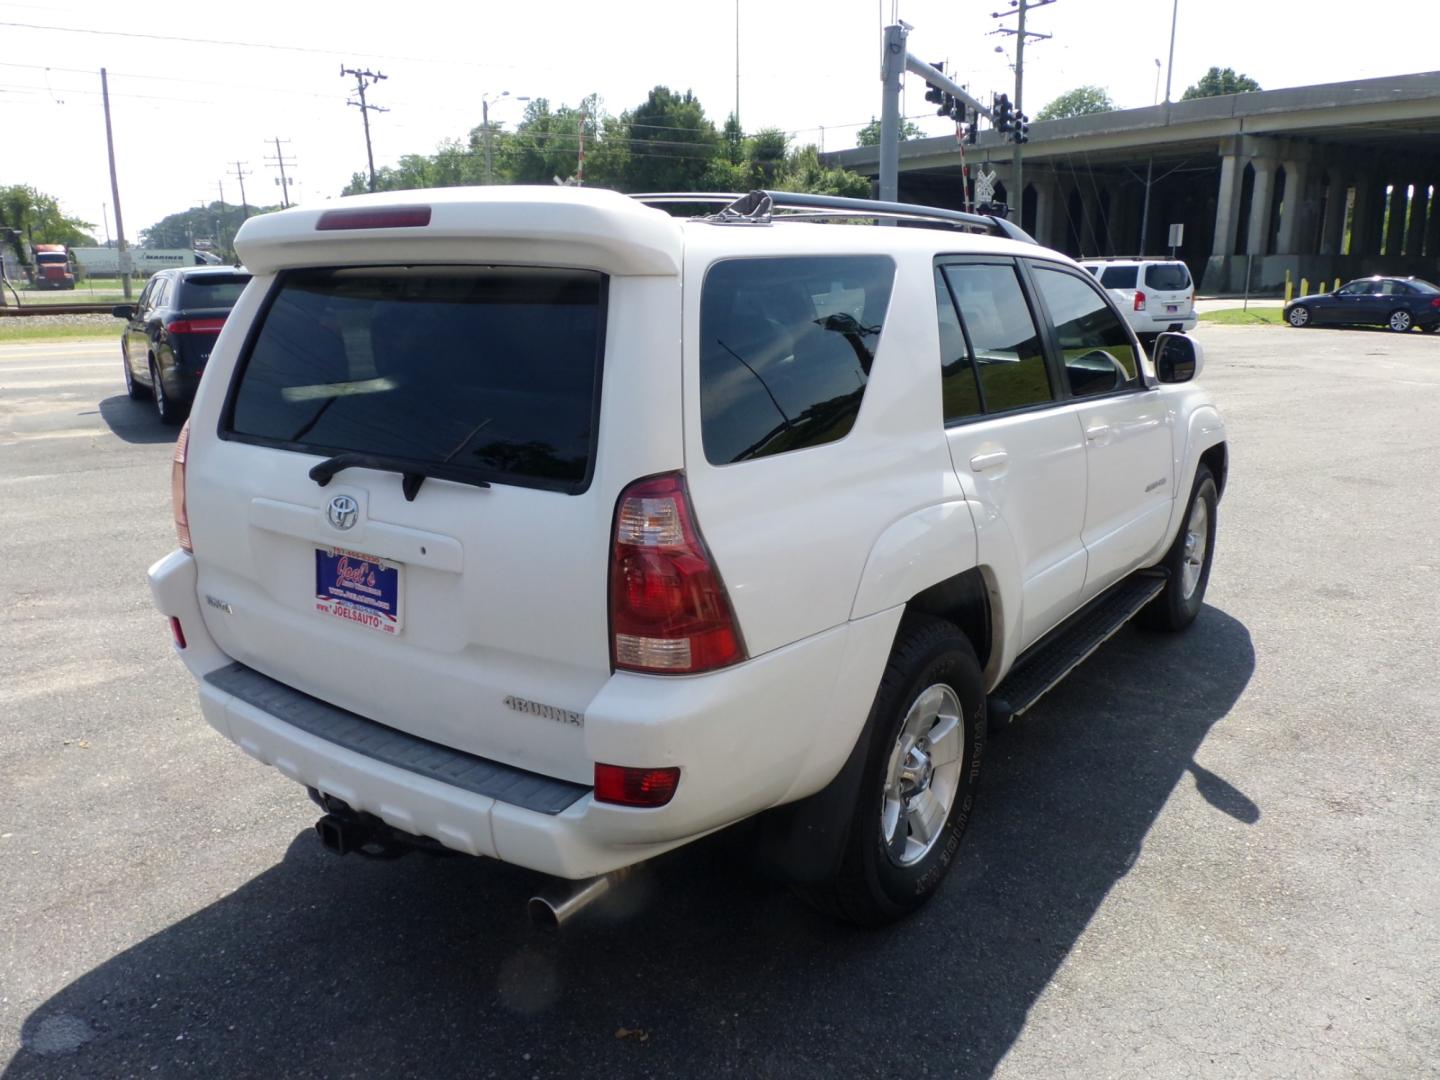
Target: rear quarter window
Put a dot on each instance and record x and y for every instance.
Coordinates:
(490, 369)
(1119, 277)
(786, 346)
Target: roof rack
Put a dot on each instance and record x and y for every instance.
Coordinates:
(766, 207)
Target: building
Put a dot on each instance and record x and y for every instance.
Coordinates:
(1338, 180)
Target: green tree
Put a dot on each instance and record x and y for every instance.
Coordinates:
(804, 171)
(1219, 81)
(36, 218)
(216, 223)
(671, 142)
(1082, 101)
(869, 135)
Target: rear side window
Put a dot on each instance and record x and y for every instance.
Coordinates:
(211, 290)
(1095, 346)
(1119, 277)
(785, 351)
(495, 369)
(1167, 276)
(1004, 343)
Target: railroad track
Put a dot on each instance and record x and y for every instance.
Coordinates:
(56, 309)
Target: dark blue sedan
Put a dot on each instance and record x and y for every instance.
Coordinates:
(1400, 304)
(170, 331)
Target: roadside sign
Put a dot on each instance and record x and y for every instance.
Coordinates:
(1177, 235)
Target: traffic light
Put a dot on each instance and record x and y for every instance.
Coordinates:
(1004, 114)
(1022, 128)
(973, 126)
(933, 93)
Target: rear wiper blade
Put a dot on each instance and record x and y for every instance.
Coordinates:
(412, 473)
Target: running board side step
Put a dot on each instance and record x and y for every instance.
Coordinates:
(1066, 647)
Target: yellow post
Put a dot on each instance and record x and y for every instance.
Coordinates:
(1337, 285)
(1289, 287)
(1304, 286)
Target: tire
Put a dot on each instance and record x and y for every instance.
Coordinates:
(1298, 316)
(892, 863)
(1432, 328)
(166, 409)
(133, 390)
(1189, 568)
(1401, 321)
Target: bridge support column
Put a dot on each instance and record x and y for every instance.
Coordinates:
(1296, 209)
(1227, 204)
(1395, 220)
(1369, 210)
(1332, 235)
(1047, 205)
(1260, 198)
(1432, 223)
(1419, 208)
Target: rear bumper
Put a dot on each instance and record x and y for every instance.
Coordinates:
(1146, 323)
(766, 732)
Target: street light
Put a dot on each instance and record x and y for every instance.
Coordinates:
(485, 100)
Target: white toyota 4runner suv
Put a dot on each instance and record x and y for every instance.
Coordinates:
(544, 525)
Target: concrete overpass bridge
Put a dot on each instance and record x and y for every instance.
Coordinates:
(1337, 180)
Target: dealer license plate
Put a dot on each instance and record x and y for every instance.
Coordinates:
(358, 589)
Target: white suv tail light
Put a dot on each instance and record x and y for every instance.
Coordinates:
(669, 612)
(1139, 301)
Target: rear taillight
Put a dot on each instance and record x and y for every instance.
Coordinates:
(629, 786)
(669, 613)
(177, 488)
(194, 326)
(1435, 302)
(1139, 301)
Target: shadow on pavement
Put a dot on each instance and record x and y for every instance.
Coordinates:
(427, 967)
(135, 421)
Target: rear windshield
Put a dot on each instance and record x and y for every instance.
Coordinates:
(211, 290)
(491, 368)
(1119, 277)
(1426, 287)
(1172, 276)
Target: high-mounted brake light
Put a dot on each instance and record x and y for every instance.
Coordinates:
(1139, 301)
(177, 488)
(635, 787)
(669, 613)
(390, 217)
(195, 326)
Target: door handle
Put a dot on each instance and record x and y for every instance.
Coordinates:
(981, 462)
(1099, 434)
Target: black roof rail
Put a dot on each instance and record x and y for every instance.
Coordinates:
(759, 208)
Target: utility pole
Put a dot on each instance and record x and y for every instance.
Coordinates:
(284, 181)
(1020, 7)
(485, 127)
(362, 80)
(580, 164)
(240, 175)
(115, 189)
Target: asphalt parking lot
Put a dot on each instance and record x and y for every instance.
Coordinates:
(1216, 854)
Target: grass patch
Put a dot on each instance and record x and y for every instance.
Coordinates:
(1257, 316)
(13, 329)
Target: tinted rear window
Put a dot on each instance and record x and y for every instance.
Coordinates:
(785, 351)
(1119, 277)
(491, 368)
(212, 290)
(1172, 276)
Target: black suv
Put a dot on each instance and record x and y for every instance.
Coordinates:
(170, 331)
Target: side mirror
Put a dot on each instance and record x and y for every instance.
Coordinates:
(123, 311)
(1178, 358)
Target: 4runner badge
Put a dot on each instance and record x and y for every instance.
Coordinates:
(549, 712)
(343, 512)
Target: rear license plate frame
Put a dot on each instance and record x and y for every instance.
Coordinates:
(363, 590)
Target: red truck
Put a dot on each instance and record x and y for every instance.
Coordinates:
(52, 267)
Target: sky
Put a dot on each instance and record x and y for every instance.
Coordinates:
(184, 112)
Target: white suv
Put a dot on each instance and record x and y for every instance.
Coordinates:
(1155, 295)
(540, 524)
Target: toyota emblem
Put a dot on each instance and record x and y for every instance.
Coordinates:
(343, 512)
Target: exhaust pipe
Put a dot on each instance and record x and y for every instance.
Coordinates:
(550, 912)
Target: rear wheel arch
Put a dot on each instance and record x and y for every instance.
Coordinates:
(963, 599)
